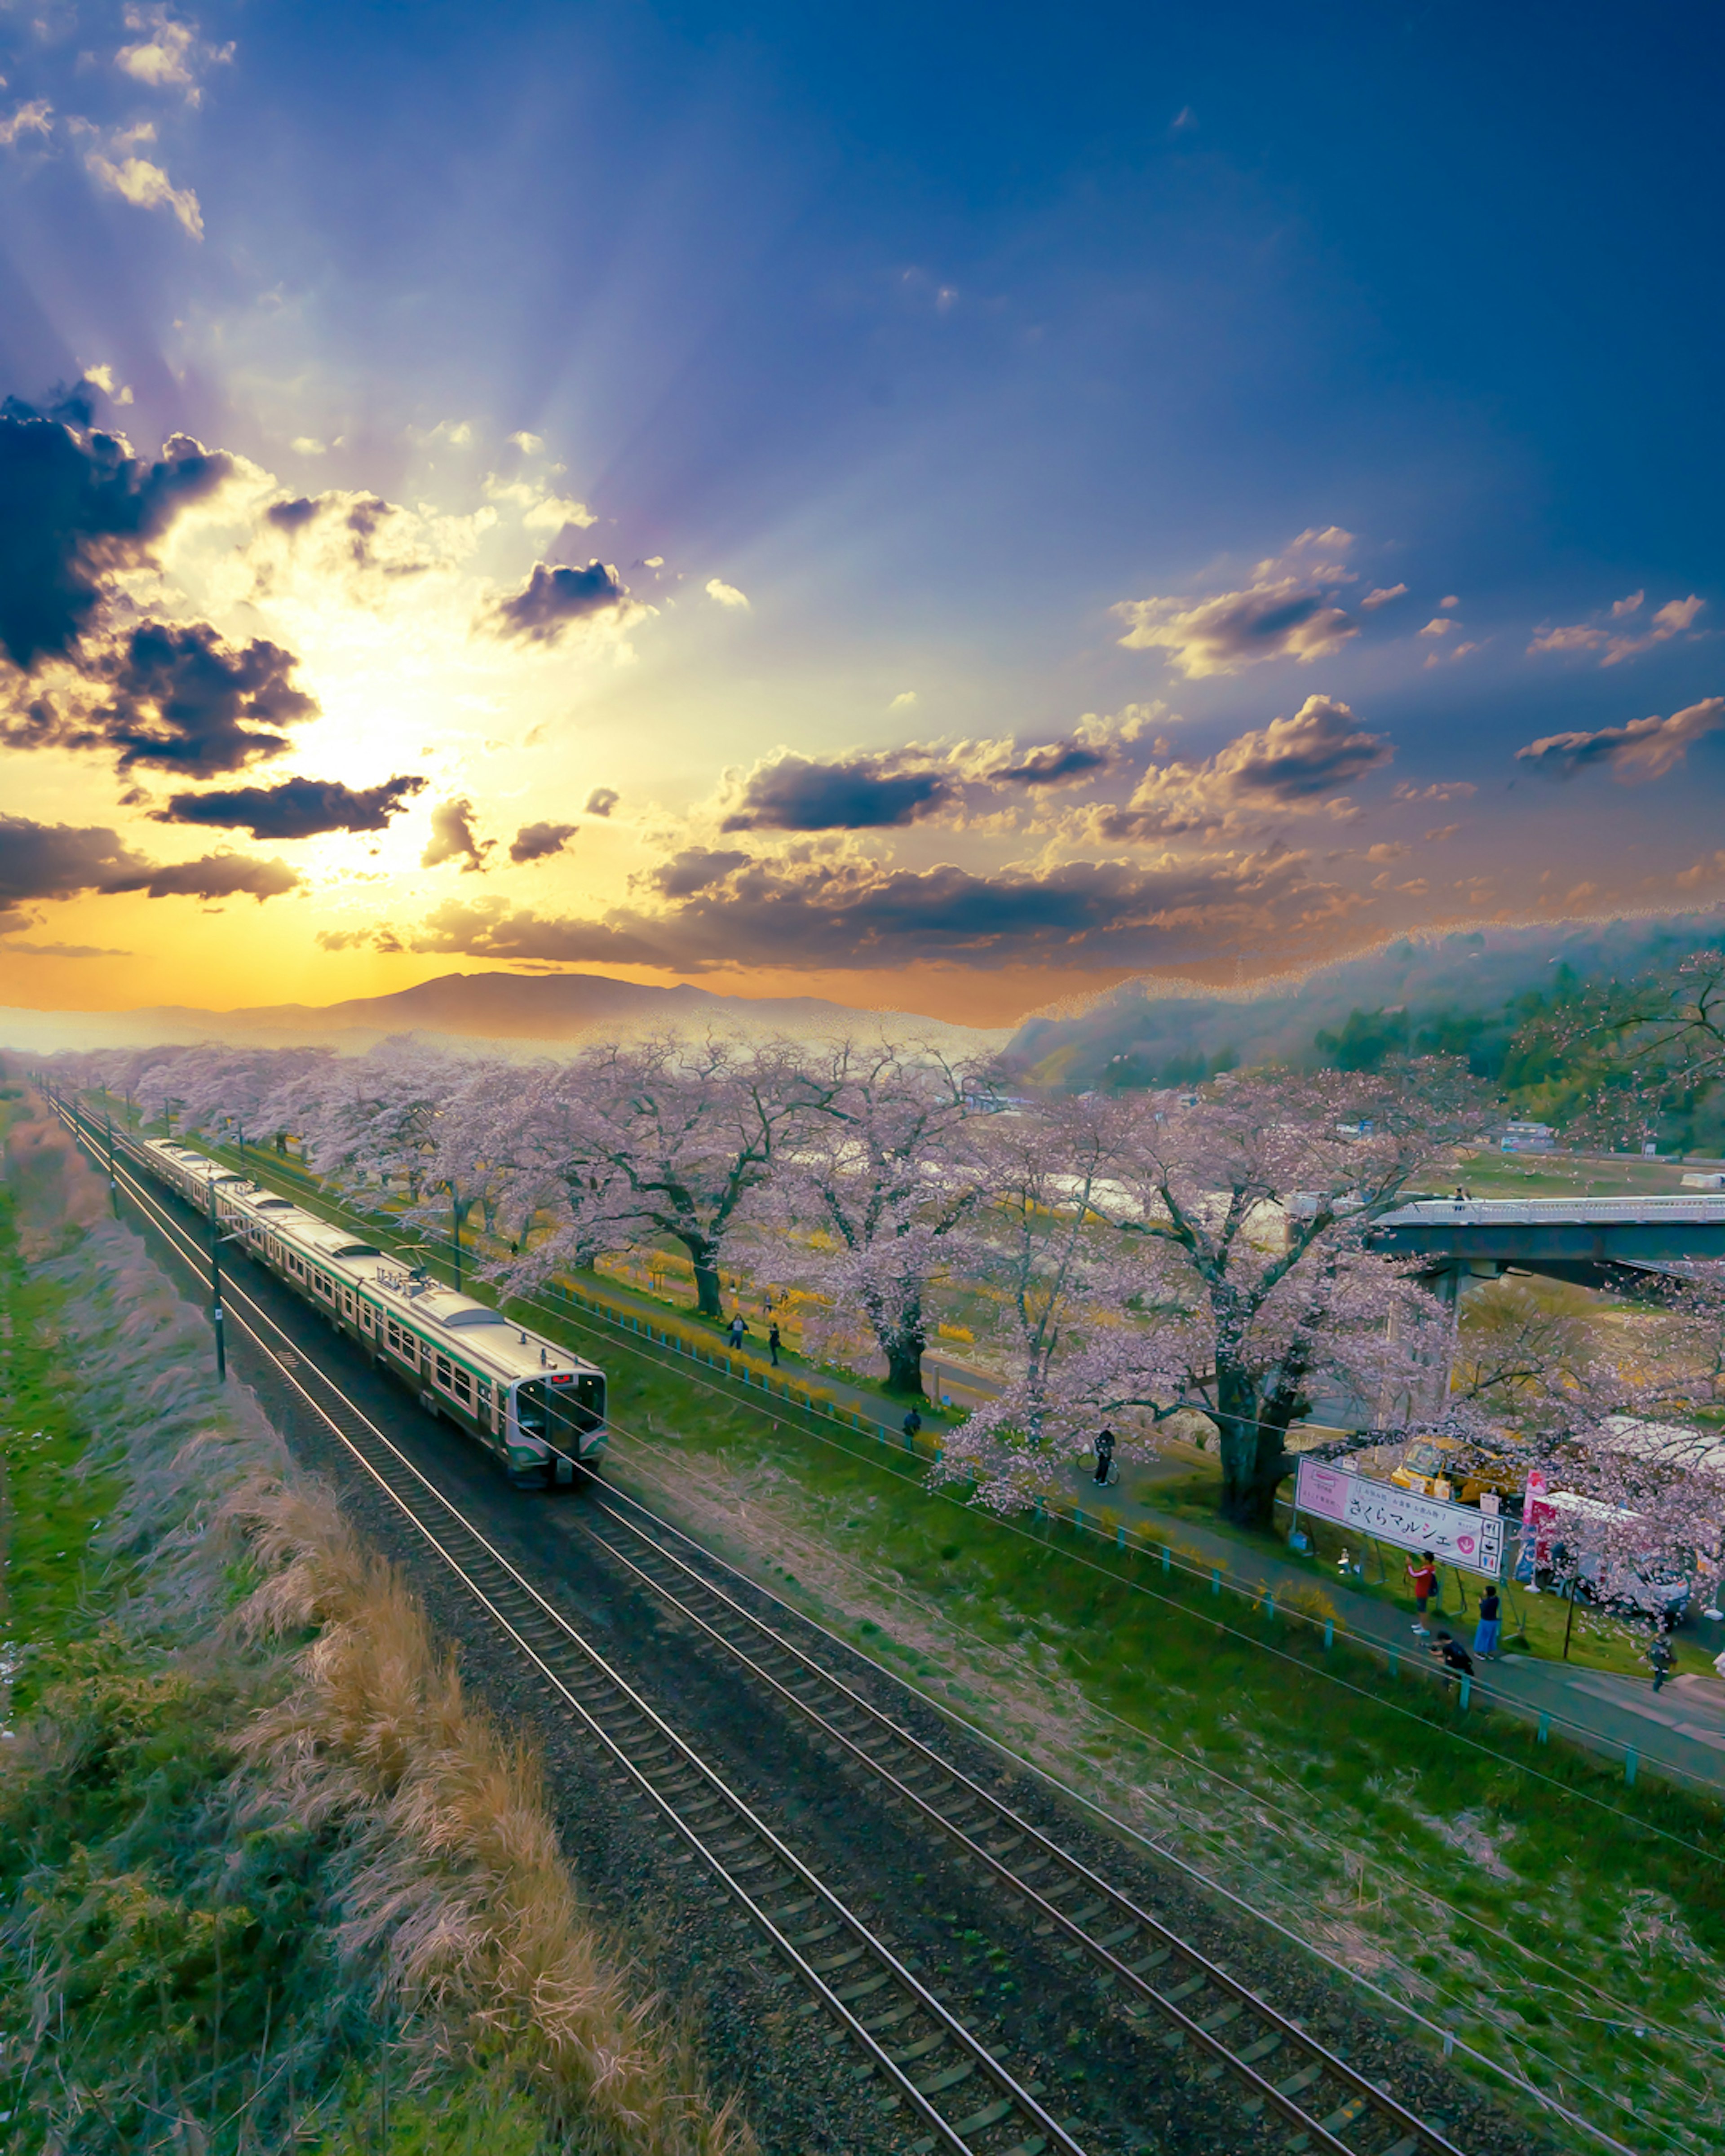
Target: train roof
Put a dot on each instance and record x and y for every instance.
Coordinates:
(476, 1330)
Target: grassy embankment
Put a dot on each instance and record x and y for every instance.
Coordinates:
(1518, 1895)
(268, 1881)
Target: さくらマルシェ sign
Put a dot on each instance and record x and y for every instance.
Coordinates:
(1455, 1534)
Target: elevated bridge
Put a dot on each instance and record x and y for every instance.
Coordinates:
(1632, 1246)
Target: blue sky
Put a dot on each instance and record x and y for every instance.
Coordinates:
(934, 386)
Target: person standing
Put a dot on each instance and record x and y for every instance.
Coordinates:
(1105, 1455)
(774, 1342)
(1422, 1578)
(1485, 1636)
(1661, 1656)
(912, 1424)
(739, 1326)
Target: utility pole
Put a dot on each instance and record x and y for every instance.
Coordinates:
(215, 1283)
(456, 1222)
(113, 1179)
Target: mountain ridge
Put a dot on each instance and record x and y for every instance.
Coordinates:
(1470, 971)
(525, 1009)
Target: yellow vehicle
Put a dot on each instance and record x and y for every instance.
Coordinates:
(1436, 1467)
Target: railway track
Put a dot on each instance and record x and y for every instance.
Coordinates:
(1287, 2090)
(1161, 1981)
(950, 2091)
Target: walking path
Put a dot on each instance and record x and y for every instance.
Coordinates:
(1681, 1729)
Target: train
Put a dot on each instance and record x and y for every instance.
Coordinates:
(539, 1410)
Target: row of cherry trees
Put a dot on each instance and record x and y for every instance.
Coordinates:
(1143, 1257)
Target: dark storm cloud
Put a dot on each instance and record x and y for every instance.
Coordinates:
(75, 505)
(291, 516)
(602, 801)
(296, 808)
(794, 795)
(453, 838)
(57, 860)
(858, 914)
(537, 842)
(551, 599)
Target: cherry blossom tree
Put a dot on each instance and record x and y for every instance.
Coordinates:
(867, 1203)
(1228, 1268)
(667, 1137)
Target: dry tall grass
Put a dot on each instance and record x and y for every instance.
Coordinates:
(468, 1896)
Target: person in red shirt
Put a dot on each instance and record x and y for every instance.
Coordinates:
(1422, 1578)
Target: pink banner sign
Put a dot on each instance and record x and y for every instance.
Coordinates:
(1455, 1534)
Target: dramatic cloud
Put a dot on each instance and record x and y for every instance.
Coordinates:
(1294, 764)
(53, 860)
(538, 842)
(793, 794)
(292, 516)
(453, 838)
(75, 504)
(1284, 613)
(602, 801)
(1645, 748)
(852, 914)
(552, 600)
(181, 700)
(56, 861)
(1671, 620)
(296, 808)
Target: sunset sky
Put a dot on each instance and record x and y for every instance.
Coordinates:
(935, 507)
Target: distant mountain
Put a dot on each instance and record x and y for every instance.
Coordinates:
(530, 1010)
(1167, 1031)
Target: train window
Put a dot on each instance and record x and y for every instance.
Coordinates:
(365, 1317)
(464, 1386)
(442, 1364)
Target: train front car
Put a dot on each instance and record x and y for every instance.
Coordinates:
(560, 1415)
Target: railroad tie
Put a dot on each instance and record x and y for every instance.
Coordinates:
(1345, 2115)
(991, 2116)
(949, 2079)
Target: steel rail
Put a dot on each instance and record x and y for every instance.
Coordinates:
(1096, 1930)
(538, 1630)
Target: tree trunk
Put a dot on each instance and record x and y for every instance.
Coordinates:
(904, 1365)
(707, 1300)
(1253, 1455)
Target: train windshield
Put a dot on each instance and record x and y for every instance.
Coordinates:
(561, 1408)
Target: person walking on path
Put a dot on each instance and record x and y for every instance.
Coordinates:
(1105, 1455)
(1661, 1656)
(1450, 1652)
(912, 1424)
(739, 1326)
(1422, 1578)
(1486, 1635)
(774, 1342)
